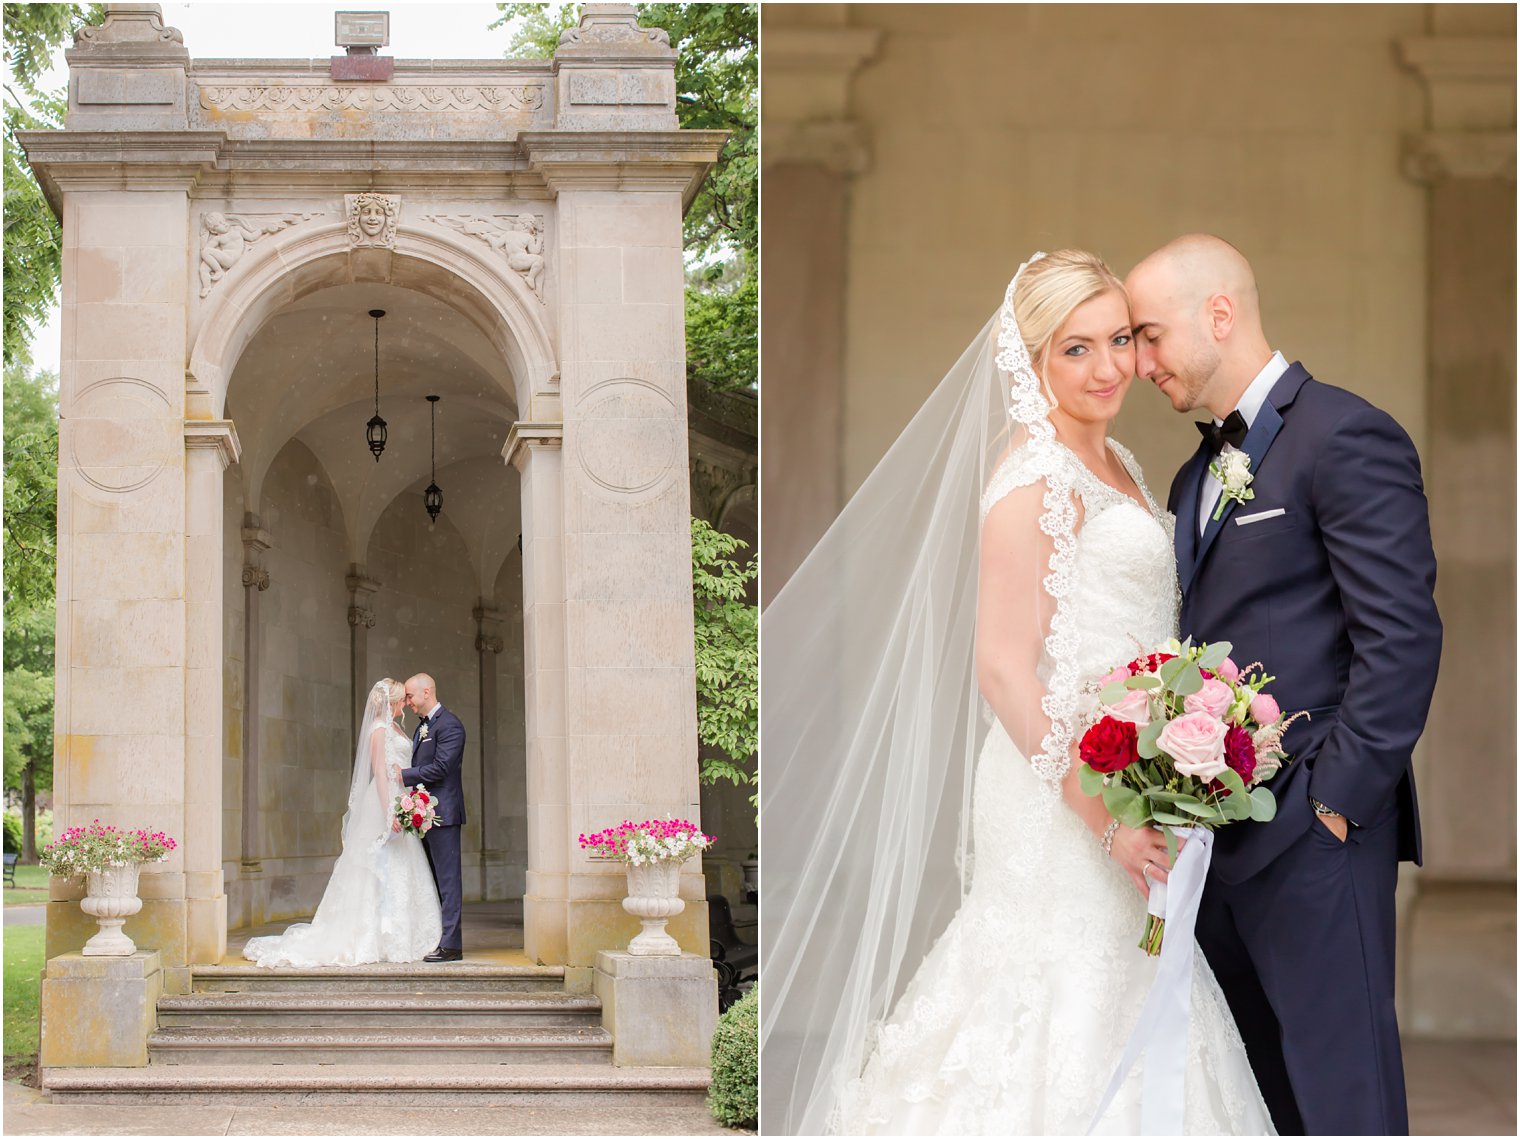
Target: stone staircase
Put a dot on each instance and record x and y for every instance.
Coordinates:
(452, 1034)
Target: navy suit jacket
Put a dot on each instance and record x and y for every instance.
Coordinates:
(1334, 596)
(436, 761)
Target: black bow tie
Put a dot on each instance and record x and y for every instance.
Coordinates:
(1232, 431)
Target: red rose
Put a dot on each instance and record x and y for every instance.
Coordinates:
(423, 795)
(1110, 745)
(417, 821)
(1240, 752)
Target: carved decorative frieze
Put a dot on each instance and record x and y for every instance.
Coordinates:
(255, 577)
(226, 237)
(519, 238)
(372, 219)
(594, 31)
(359, 615)
(485, 644)
(281, 98)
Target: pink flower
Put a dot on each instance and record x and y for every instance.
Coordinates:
(1135, 708)
(406, 802)
(1120, 673)
(1264, 709)
(1195, 743)
(1228, 670)
(1214, 698)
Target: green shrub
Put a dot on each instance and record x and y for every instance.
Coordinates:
(734, 1097)
(12, 833)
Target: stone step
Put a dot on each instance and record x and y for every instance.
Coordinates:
(412, 977)
(379, 1010)
(540, 1086)
(399, 1044)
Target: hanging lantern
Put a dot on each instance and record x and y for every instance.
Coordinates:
(432, 497)
(374, 430)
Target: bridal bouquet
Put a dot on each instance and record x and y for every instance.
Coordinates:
(1184, 737)
(415, 810)
(656, 840)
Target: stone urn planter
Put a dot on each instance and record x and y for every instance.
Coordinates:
(111, 898)
(653, 898)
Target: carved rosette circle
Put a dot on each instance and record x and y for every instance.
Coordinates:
(122, 433)
(626, 438)
(371, 219)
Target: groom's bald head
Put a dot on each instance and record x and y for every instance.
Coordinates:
(1197, 322)
(421, 693)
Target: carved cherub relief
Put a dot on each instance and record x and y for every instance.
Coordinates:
(226, 238)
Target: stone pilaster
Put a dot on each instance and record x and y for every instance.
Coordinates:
(1457, 960)
(361, 619)
(255, 580)
(489, 644)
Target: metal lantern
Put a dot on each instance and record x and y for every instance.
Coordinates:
(432, 497)
(374, 430)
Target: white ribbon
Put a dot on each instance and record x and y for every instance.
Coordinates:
(1161, 1033)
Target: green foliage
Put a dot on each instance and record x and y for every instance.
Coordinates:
(12, 825)
(727, 654)
(31, 487)
(723, 336)
(33, 243)
(734, 1095)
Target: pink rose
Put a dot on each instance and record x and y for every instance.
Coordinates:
(1215, 698)
(1120, 673)
(1228, 670)
(1195, 743)
(1265, 710)
(1135, 708)
(406, 802)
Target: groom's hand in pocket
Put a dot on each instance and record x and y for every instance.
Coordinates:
(1335, 824)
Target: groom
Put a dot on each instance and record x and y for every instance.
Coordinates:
(1325, 575)
(437, 755)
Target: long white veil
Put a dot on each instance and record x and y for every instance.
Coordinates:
(871, 723)
(366, 820)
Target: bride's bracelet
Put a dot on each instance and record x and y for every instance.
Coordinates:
(1108, 838)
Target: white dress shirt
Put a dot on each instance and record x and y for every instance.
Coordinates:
(1249, 406)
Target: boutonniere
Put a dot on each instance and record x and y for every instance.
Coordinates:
(422, 731)
(1233, 470)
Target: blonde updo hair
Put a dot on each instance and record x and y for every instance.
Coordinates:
(385, 692)
(1051, 289)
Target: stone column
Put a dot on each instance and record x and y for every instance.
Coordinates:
(1457, 970)
(489, 644)
(361, 619)
(535, 450)
(212, 446)
(138, 699)
(255, 581)
(810, 152)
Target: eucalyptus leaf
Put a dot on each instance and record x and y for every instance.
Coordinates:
(1236, 808)
(1193, 807)
(1171, 819)
(1145, 743)
(1089, 780)
(1136, 815)
(1214, 655)
(1113, 693)
(1232, 780)
(1172, 796)
(1144, 680)
(1263, 805)
(1169, 670)
(1171, 846)
(1188, 681)
(1119, 799)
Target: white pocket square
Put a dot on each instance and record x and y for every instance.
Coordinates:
(1247, 519)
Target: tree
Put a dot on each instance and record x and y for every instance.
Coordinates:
(31, 538)
(33, 248)
(727, 655)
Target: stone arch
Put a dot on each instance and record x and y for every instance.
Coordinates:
(305, 259)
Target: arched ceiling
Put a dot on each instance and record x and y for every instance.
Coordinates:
(308, 374)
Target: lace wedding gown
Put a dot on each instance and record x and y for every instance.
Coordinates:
(381, 903)
(1016, 1020)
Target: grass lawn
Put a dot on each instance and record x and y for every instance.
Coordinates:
(23, 983)
(31, 887)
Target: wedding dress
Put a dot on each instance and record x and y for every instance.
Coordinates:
(1018, 1016)
(381, 903)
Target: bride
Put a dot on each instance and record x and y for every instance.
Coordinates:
(951, 926)
(380, 903)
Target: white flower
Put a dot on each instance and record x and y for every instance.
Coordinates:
(1233, 470)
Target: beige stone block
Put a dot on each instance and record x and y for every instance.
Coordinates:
(591, 509)
(97, 276)
(618, 566)
(617, 701)
(594, 275)
(155, 274)
(154, 510)
(129, 331)
(628, 634)
(136, 777)
(651, 275)
(112, 218)
(125, 701)
(127, 566)
(544, 918)
(626, 333)
(661, 1011)
(613, 220)
(97, 1012)
(122, 634)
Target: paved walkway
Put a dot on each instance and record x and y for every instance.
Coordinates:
(25, 915)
